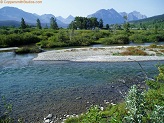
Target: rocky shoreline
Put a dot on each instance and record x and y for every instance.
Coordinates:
(117, 91)
(94, 54)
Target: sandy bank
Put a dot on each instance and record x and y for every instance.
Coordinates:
(8, 49)
(93, 54)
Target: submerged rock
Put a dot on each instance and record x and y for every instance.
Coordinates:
(49, 116)
(48, 119)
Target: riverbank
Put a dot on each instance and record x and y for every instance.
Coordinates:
(96, 54)
(8, 49)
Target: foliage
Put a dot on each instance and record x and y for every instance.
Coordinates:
(138, 38)
(135, 105)
(85, 23)
(116, 39)
(151, 23)
(10, 37)
(23, 24)
(53, 23)
(127, 28)
(38, 24)
(101, 24)
(134, 51)
(25, 50)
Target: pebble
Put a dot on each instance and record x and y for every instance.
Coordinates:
(102, 108)
(48, 119)
(112, 104)
(78, 98)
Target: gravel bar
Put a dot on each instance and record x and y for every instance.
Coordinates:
(92, 54)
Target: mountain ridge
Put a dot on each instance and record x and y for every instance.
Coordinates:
(109, 16)
(15, 14)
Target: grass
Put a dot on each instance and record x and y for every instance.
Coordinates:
(134, 51)
(156, 46)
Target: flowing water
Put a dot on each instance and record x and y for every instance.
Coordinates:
(37, 88)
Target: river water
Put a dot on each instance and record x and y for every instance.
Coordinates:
(37, 88)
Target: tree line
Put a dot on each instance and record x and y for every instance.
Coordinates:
(53, 24)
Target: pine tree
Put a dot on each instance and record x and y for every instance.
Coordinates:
(38, 24)
(107, 26)
(53, 23)
(101, 24)
(23, 24)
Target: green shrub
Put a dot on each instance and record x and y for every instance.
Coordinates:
(3, 41)
(28, 38)
(116, 39)
(25, 50)
(135, 105)
(138, 38)
(107, 41)
(80, 40)
(121, 39)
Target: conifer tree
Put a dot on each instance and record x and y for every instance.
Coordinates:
(38, 24)
(23, 24)
(53, 23)
(101, 24)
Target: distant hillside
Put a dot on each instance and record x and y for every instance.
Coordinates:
(151, 22)
(15, 14)
(10, 23)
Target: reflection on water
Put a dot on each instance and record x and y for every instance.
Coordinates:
(37, 88)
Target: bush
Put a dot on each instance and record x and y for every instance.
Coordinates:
(28, 38)
(121, 39)
(3, 41)
(80, 40)
(133, 51)
(135, 105)
(116, 39)
(138, 38)
(25, 50)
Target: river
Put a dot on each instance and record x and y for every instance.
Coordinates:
(37, 88)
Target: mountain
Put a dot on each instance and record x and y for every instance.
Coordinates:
(45, 18)
(133, 15)
(15, 14)
(67, 20)
(151, 22)
(10, 23)
(109, 16)
(12, 13)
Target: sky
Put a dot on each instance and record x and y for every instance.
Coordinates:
(83, 8)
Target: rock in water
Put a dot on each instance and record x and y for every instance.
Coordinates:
(49, 116)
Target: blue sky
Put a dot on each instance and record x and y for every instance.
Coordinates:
(85, 7)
